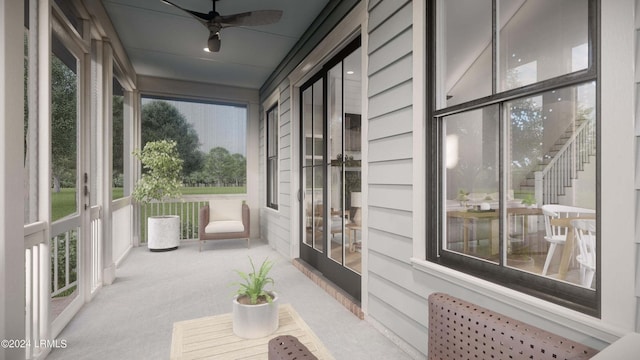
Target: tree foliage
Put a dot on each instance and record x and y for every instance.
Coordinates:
(63, 124)
(223, 168)
(162, 121)
(163, 166)
(117, 117)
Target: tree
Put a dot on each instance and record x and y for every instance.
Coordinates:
(163, 166)
(218, 165)
(118, 137)
(162, 121)
(238, 169)
(63, 124)
(223, 168)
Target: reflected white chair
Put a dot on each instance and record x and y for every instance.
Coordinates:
(585, 234)
(557, 235)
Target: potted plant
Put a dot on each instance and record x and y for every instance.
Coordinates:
(255, 309)
(160, 180)
(529, 201)
(463, 197)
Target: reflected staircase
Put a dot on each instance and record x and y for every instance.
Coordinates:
(561, 165)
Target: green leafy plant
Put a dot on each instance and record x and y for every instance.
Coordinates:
(162, 168)
(529, 200)
(253, 286)
(462, 195)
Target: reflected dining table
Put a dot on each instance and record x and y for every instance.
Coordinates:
(469, 216)
(569, 244)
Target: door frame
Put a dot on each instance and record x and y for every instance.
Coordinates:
(80, 49)
(346, 278)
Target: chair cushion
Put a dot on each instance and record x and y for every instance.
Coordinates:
(224, 226)
(225, 209)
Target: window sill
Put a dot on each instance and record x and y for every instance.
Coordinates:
(534, 307)
(272, 210)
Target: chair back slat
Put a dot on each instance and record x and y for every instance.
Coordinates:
(552, 211)
(585, 235)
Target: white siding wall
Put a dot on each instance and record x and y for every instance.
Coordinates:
(275, 224)
(399, 284)
(393, 299)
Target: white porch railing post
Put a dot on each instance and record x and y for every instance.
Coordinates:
(538, 188)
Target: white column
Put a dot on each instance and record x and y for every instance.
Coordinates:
(106, 93)
(12, 258)
(253, 166)
(135, 141)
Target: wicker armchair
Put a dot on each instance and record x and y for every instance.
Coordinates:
(224, 219)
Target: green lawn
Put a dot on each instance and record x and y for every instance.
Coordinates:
(63, 203)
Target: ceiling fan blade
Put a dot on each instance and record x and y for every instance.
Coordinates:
(251, 18)
(202, 17)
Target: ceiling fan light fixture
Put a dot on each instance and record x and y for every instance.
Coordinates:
(215, 22)
(213, 44)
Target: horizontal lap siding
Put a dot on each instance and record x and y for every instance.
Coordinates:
(395, 222)
(390, 124)
(391, 172)
(276, 224)
(393, 301)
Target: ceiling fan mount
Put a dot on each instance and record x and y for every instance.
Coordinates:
(215, 22)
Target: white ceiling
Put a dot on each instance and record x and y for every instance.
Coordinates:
(162, 41)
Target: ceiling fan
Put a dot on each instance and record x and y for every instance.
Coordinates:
(215, 22)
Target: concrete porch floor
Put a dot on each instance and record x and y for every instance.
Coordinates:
(133, 318)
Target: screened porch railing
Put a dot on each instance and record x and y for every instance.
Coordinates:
(187, 207)
(37, 259)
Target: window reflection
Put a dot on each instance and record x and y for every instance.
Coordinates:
(540, 34)
(472, 192)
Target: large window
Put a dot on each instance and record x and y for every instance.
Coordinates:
(211, 141)
(272, 157)
(514, 134)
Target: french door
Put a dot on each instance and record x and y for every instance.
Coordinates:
(331, 159)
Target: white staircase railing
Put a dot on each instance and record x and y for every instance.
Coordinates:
(550, 183)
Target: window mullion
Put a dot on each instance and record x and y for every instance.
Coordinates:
(502, 184)
(494, 47)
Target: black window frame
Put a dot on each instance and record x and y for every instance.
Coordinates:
(272, 159)
(568, 295)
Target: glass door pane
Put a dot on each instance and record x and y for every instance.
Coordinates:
(307, 144)
(313, 163)
(337, 217)
(352, 158)
(318, 164)
(65, 212)
(64, 129)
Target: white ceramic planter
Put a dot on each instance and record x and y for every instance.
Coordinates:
(255, 321)
(163, 232)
